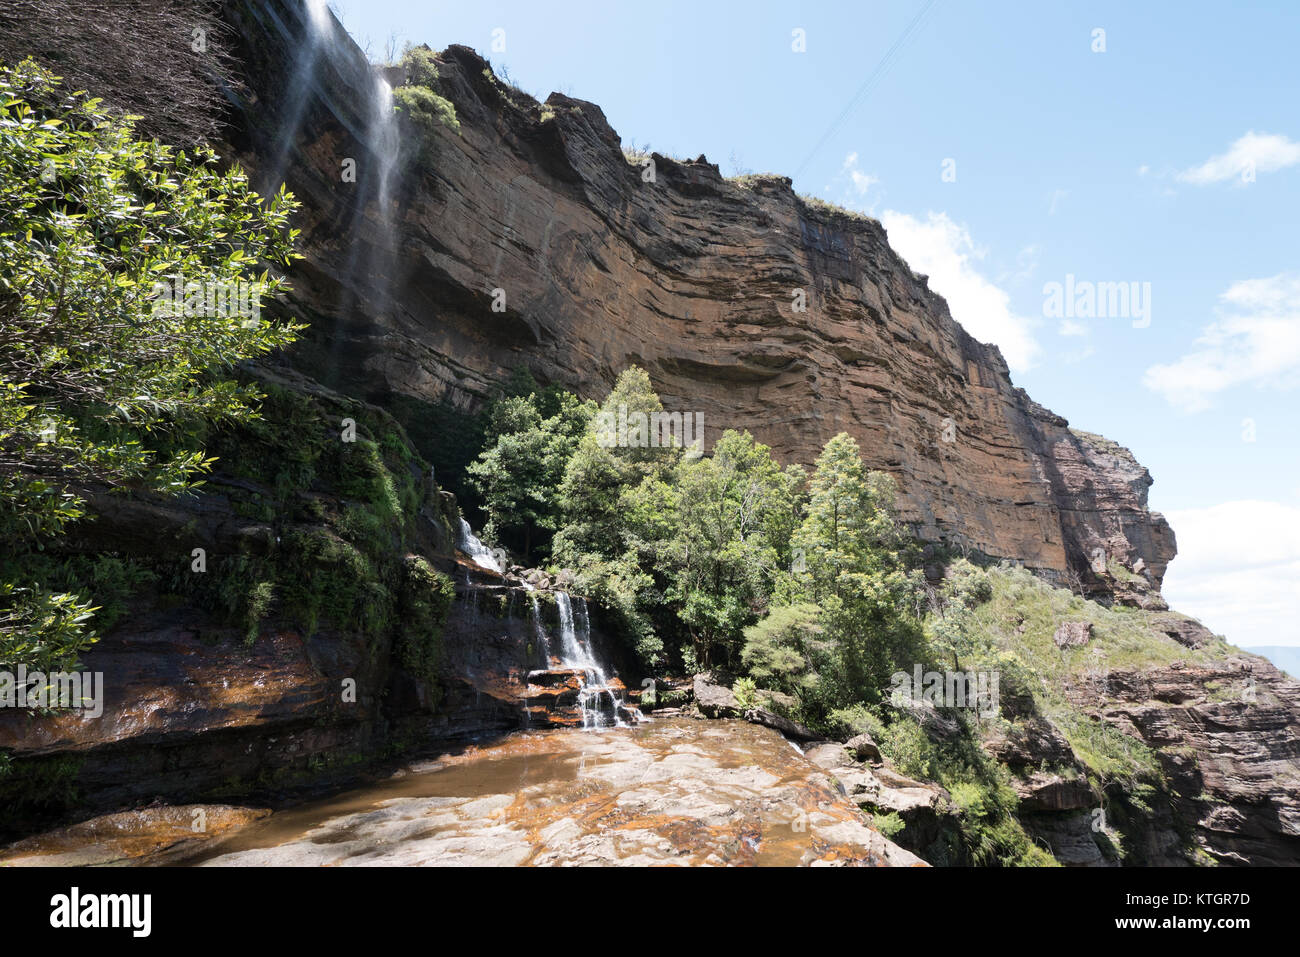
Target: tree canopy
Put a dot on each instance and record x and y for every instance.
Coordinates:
(131, 276)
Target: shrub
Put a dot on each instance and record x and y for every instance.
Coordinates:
(745, 692)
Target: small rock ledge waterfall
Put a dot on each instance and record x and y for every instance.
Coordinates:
(574, 690)
(478, 553)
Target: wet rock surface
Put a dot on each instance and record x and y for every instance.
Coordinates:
(675, 791)
(154, 835)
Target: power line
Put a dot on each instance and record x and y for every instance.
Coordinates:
(876, 75)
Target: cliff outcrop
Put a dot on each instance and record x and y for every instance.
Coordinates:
(602, 260)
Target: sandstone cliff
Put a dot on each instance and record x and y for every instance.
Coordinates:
(690, 276)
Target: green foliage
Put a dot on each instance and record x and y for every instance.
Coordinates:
(784, 649)
(531, 440)
(890, 824)
(745, 692)
(38, 784)
(988, 831)
(857, 719)
(426, 107)
(427, 595)
(417, 98)
(616, 504)
(687, 550)
(102, 378)
(728, 541)
(852, 620)
(42, 629)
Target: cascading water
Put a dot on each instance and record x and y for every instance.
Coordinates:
(478, 553)
(539, 630)
(373, 254)
(385, 141)
(298, 92)
(599, 699)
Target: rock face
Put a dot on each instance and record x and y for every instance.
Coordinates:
(714, 700)
(1072, 634)
(692, 276)
(1228, 739)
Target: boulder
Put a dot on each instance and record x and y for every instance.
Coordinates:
(1073, 634)
(830, 756)
(713, 700)
(863, 748)
(791, 729)
(1184, 630)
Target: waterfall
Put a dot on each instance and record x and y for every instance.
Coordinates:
(539, 630)
(367, 273)
(298, 93)
(385, 141)
(476, 550)
(577, 655)
(369, 270)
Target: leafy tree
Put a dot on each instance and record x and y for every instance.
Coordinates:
(602, 470)
(855, 573)
(103, 378)
(851, 530)
(618, 505)
(782, 650)
(732, 529)
(519, 473)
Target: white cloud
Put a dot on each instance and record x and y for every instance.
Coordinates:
(1057, 196)
(1236, 570)
(1253, 153)
(1258, 343)
(1143, 169)
(1069, 327)
(944, 251)
(861, 182)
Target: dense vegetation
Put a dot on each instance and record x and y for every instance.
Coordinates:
(103, 377)
(801, 588)
(724, 561)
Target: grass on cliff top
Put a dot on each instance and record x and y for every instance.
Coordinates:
(1017, 624)
(831, 209)
(1024, 612)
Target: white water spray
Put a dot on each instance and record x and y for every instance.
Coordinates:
(478, 553)
(576, 654)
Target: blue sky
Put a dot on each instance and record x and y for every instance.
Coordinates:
(1172, 158)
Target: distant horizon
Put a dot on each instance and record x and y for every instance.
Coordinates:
(1284, 657)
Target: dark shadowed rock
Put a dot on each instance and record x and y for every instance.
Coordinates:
(863, 748)
(789, 728)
